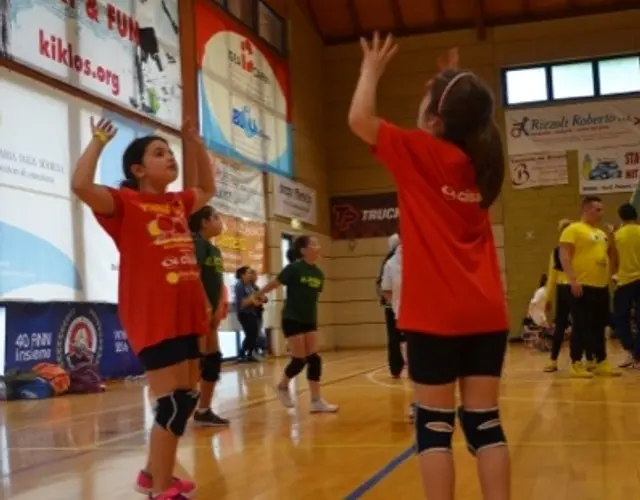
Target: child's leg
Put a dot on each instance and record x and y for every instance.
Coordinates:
(314, 374)
(171, 370)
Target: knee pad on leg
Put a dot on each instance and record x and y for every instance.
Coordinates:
(434, 429)
(210, 366)
(174, 410)
(295, 366)
(482, 429)
(314, 367)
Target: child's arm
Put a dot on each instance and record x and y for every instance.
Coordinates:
(97, 197)
(205, 183)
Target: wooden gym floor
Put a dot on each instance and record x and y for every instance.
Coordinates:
(570, 439)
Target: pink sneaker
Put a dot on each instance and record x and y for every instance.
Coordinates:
(171, 494)
(144, 485)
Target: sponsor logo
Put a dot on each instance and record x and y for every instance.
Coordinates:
(244, 58)
(465, 196)
(243, 119)
(80, 339)
(344, 217)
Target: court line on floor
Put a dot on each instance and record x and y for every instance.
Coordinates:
(381, 474)
(118, 409)
(81, 451)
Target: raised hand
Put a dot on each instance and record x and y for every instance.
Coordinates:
(190, 132)
(104, 130)
(375, 55)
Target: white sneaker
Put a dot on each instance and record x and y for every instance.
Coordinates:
(321, 406)
(284, 396)
(628, 361)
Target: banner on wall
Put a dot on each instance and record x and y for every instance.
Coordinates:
(294, 200)
(239, 190)
(539, 170)
(243, 93)
(366, 216)
(613, 170)
(66, 333)
(242, 243)
(38, 252)
(127, 52)
(596, 124)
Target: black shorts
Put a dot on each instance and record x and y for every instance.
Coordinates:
(170, 352)
(438, 359)
(291, 327)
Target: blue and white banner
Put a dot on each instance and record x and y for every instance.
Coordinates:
(126, 51)
(65, 333)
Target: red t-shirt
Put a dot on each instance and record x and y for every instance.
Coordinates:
(160, 295)
(451, 283)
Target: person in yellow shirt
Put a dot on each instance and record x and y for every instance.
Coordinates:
(627, 294)
(585, 256)
(558, 293)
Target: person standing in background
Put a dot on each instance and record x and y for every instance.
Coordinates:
(394, 352)
(627, 294)
(585, 254)
(246, 309)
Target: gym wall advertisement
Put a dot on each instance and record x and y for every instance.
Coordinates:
(243, 93)
(126, 51)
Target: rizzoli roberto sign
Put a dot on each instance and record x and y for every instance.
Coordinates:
(366, 216)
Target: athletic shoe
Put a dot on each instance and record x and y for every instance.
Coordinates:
(628, 361)
(144, 485)
(321, 406)
(577, 370)
(171, 494)
(590, 365)
(284, 396)
(551, 367)
(207, 418)
(604, 369)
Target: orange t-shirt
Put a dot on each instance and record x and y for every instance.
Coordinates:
(451, 283)
(160, 295)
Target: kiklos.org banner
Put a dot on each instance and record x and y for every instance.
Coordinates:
(126, 51)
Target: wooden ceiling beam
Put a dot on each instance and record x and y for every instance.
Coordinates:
(481, 25)
(355, 18)
(441, 15)
(623, 5)
(314, 18)
(396, 11)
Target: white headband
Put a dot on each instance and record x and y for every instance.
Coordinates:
(448, 88)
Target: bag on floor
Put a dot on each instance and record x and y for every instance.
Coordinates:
(85, 379)
(37, 389)
(13, 380)
(55, 375)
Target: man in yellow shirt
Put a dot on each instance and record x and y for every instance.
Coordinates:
(585, 256)
(558, 295)
(627, 295)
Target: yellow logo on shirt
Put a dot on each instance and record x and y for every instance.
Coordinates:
(311, 281)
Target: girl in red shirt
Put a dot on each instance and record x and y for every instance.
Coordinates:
(448, 172)
(161, 301)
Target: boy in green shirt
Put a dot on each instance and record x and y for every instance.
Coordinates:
(206, 224)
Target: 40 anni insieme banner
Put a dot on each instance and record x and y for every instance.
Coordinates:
(126, 51)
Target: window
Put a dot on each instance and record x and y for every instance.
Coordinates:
(620, 75)
(270, 27)
(526, 85)
(572, 80)
(561, 81)
(242, 10)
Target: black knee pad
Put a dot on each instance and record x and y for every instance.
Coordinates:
(295, 366)
(482, 429)
(174, 410)
(434, 429)
(314, 367)
(210, 366)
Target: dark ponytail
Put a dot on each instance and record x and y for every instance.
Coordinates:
(293, 255)
(464, 104)
(130, 184)
(487, 156)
